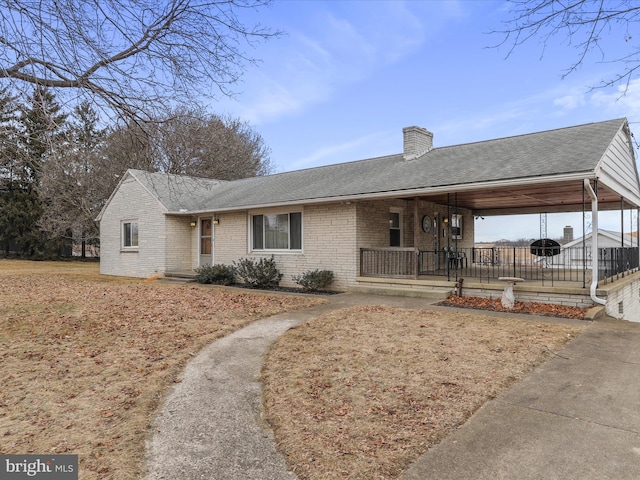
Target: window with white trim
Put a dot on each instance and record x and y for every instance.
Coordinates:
(277, 231)
(130, 234)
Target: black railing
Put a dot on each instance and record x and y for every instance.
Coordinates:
(487, 263)
(615, 262)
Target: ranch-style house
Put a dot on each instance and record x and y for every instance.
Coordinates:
(400, 224)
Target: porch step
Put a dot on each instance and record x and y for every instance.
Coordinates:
(178, 277)
(402, 291)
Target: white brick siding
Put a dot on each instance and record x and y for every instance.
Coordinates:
(132, 202)
(230, 238)
(332, 236)
(180, 234)
(328, 243)
(373, 225)
(623, 300)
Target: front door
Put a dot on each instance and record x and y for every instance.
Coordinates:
(206, 241)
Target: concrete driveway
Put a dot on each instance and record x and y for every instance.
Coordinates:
(577, 416)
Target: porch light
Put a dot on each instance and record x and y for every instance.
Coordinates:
(216, 221)
(194, 223)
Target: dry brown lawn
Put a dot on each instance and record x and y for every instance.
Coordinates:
(85, 360)
(361, 393)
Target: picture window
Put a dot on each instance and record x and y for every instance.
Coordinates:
(281, 231)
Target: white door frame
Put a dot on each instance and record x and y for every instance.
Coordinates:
(207, 257)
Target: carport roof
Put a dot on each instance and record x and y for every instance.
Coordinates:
(535, 172)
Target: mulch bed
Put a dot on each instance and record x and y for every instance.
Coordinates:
(533, 308)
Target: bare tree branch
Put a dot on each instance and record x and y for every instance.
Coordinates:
(133, 56)
(583, 24)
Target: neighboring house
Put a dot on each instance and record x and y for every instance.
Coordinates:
(332, 217)
(577, 253)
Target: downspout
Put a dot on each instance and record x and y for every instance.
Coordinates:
(594, 243)
(214, 222)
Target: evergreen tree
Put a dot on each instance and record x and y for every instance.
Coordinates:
(42, 127)
(34, 134)
(9, 170)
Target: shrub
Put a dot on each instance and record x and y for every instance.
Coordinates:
(260, 274)
(314, 280)
(216, 274)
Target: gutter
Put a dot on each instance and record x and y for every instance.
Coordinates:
(594, 243)
(403, 193)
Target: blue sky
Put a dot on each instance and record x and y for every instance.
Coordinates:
(347, 76)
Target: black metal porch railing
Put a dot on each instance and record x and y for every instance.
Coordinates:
(614, 262)
(486, 263)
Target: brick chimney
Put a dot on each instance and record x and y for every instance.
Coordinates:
(417, 141)
(568, 234)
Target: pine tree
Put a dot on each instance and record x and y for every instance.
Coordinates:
(9, 169)
(34, 134)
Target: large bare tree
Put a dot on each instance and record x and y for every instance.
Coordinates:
(71, 187)
(195, 143)
(188, 142)
(130, 56)
(605, 28)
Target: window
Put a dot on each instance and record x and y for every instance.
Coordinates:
(282, 231)
(130, 234)
(456, 226)
(395, 231)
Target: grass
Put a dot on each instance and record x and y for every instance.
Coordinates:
(361, 393)
(85, 360)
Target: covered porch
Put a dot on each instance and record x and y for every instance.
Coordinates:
(488, 264)
(579, 275)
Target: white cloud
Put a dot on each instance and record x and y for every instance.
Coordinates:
(623, 101)
(325, 51)
(565, 104)
(571, 101)
(344, 151)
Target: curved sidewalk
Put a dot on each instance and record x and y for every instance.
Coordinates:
(576, 416)
(210, 425)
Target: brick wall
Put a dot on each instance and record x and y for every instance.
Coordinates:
(132, 202)
(230, 237)
(623, 299)
(179, 241)
(373, 225)
(328, 243)
(332, 236)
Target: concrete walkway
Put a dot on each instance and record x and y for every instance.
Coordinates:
(577, 416)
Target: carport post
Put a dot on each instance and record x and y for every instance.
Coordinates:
(416, 237)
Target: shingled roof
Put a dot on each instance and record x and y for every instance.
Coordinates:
(567, 153)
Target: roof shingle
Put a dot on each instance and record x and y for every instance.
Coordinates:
(542, 154)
